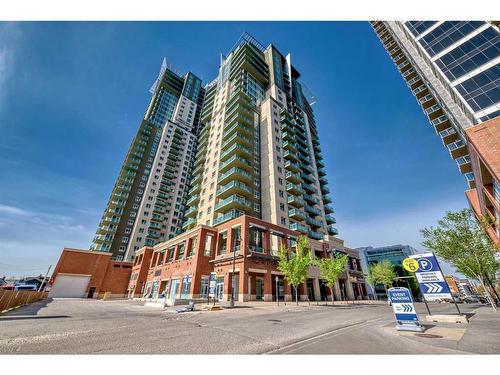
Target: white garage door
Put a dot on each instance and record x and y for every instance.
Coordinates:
(69, 286)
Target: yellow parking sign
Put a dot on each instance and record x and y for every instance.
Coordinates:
(410, 264)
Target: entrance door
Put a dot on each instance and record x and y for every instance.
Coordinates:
(310, 290)
(174, 289)
(91, 292)
(235, 285)
(259, 289)
(219, 289)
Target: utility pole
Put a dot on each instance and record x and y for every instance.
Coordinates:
(43, 282)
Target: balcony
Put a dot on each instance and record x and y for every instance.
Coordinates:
(296, 201)
(236, 161)
(195, 189)
(312, 210)
(306, 168)
(333, 231)
(290, 155)
(311, 199)
(330, 219)
(464, 164)
(315, 235)
(291, 166)
(197, 179)
(457, 149)
(235, 173)
(191, 212)
(293, 177)
(288, 136)
(433, 111)
(235, 187)
(294, 189)
(328, 209)
(314, 222)
(238, 128)
(299, 228)
(326, 199)
(193, 200)
(309, 188)
(233, 202)
(287, 145)
(448, 135)
(320, 164)
(237, 139)
(189, 222)
(233, 214)
(307, 177)
(296, 214)
(325, 190)
(236, 149)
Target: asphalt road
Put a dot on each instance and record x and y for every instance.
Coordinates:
(124, 327)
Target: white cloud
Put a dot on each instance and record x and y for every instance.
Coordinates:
(6, 209)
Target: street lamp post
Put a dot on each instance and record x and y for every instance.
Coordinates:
(232, 279)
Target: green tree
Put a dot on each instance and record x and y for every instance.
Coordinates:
(381, 273)
(295, 264)
(330, 269)
(462, 241)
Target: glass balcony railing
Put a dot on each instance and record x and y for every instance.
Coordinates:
(232, 202)
(235, 172)
(233, 214)
(332, 230)
(299, 227)
(296, 201)
(314, 222)
(296, 214)
(315, 235)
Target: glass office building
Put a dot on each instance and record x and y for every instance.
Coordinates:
(453, 69)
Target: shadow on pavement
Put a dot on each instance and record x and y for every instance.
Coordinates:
(8, 318)
(31, 309)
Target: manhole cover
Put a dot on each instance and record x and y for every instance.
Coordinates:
(274, 320)
(428, 335)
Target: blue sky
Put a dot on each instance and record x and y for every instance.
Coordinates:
(72, 96)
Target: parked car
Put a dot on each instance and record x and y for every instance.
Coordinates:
(7, 287)
(26, 287)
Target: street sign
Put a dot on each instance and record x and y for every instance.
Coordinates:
(411, 265)
(430, 278)
(212, 280)
(404, 311)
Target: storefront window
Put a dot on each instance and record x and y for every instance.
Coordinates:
(204, 287)
(256, 236)
(236, 234)
(208, 245)
(186, 287)
(222, 243)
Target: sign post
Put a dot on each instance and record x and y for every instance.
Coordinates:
(431, 280)
(404, 311)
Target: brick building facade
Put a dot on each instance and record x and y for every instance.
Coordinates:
(180, 267)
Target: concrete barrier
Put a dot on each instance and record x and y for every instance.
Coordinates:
(11, 299)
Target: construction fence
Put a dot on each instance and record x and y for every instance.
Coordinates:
(11, 299)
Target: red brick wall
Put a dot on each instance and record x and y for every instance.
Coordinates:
(104, 276)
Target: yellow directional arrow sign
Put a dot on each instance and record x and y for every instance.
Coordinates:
(410, 264)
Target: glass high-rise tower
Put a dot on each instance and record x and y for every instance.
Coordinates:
(258, 148)
(147, 203)
(453, 69)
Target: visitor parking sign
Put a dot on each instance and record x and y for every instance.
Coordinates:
(430, 278)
